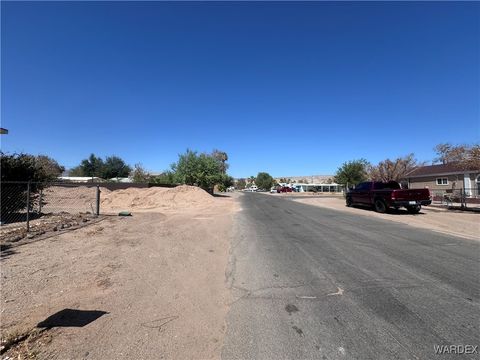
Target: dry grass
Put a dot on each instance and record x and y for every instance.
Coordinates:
(23, 345)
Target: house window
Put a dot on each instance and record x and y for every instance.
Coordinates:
(442, 181)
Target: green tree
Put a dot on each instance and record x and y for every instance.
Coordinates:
(201, 170)
(93, 166)
(76, 171)
(26, 167)
(352, 172)
(115, 167)
(240, 184)
(221, 157)
(227, 181)
(139, 174)
(166, 178)
(50, 167)
(264, 181)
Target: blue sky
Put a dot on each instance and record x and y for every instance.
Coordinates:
(287, 88)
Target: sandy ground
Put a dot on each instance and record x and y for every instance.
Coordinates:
(147, 199)
(72, 205)
(158, 276)
(75, 199)
(456, 223)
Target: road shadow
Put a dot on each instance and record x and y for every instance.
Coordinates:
(464, 208)
(71, 318)
(391, 211)
(221, 195)
(16, 217)
(313, 197)
(6, 251)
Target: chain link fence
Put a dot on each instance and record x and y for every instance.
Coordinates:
(461, 198)
(29, 204)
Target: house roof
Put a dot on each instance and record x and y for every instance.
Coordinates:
(440, 169)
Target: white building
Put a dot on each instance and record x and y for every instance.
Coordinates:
(80, 179)
(122, 179)
(319, 187)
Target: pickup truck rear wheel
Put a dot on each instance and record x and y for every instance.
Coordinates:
(349, 201)
(380, 206)
(414, 209)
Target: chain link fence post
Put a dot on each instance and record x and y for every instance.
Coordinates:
(98, 200)
(40, 202)
(28, 206)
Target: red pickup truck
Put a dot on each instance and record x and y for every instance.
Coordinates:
(383, 196)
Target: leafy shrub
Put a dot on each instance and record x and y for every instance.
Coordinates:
(16, 170)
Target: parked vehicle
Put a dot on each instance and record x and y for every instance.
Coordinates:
(273, 190)
(253, 188)
(383, 196)
(283, 189)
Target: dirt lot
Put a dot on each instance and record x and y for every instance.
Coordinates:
(150, 286)
(456, 223)
(68, 207)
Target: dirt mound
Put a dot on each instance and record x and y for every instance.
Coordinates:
(154, 198)
(71, 199)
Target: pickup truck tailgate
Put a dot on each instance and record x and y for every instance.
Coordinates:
(411, 194)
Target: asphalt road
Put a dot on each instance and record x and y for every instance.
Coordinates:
(314, 283)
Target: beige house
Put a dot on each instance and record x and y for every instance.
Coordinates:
(445, 177)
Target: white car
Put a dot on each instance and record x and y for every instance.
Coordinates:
(253, 188)
(273, 190)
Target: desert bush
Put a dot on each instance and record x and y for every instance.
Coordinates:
(202, 170)
(16, 171)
